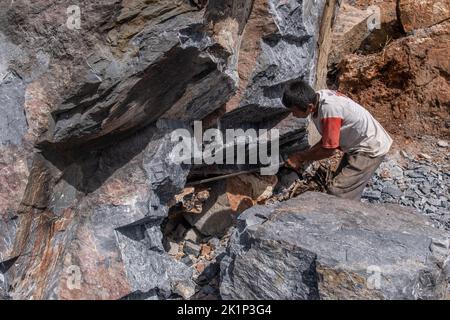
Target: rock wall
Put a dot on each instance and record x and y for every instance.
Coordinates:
(84, 171)
(401, 76)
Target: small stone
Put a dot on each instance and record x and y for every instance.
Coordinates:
(179, 232)
(173, 248)
(372, 195)
(392, 191)
(442, 144)
(206, 250)
(414, 174)
(404, 154)
(191, 248)
(192, 235)
(214, 242)
(434, 202)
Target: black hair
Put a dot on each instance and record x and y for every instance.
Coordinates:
(299, 94)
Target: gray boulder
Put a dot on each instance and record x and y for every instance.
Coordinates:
(320, 247)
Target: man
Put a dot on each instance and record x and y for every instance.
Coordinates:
(344, 125)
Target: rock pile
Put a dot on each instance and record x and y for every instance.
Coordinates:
(413, 182)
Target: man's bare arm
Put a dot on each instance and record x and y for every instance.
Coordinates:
(315, 153)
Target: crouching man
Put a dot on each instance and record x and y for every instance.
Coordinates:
(344, 125)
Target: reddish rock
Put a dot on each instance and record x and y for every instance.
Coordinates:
(406, 85)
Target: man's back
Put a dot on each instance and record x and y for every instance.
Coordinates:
(356, 130)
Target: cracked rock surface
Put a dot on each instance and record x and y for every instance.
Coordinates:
(316, 246)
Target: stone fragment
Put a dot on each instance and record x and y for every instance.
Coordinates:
(185, 289)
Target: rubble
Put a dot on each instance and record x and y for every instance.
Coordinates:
(316, 246)
(419, 183)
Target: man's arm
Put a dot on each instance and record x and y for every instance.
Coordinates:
(318, 152)
(325, 148)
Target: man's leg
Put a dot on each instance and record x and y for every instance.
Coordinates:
(352, 176)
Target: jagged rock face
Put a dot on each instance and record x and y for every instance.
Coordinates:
(319, 247)
(85, 137)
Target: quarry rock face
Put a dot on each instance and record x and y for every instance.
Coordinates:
(316, 246)
(85, 174)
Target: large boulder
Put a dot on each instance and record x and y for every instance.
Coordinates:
(319, 247)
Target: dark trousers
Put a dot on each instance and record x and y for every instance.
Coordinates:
(353, 174)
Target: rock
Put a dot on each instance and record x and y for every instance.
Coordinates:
(187, 261)
(412, 82)
(318, 247)
(443, 144)
(425, 156)
(216, 217)
(173, 248)
(289, 34)
(86, 171)
(191, 248)
(393, 192)
(372, 195)
(214, 242)
(200, 267)
(422, 14)
(185, 289)
(349, 31)
(192, 236)
(205, 250)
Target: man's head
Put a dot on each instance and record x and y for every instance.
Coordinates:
(300, 98)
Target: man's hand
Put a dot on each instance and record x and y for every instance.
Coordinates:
(295, 161)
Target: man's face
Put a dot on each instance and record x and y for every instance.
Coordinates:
(299, 113)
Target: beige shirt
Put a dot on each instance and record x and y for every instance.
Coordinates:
(345, 124)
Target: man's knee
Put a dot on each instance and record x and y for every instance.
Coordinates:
(354, 194)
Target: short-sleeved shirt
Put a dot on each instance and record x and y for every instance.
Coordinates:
(346, 125)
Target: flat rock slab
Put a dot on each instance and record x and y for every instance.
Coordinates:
(317, 246)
